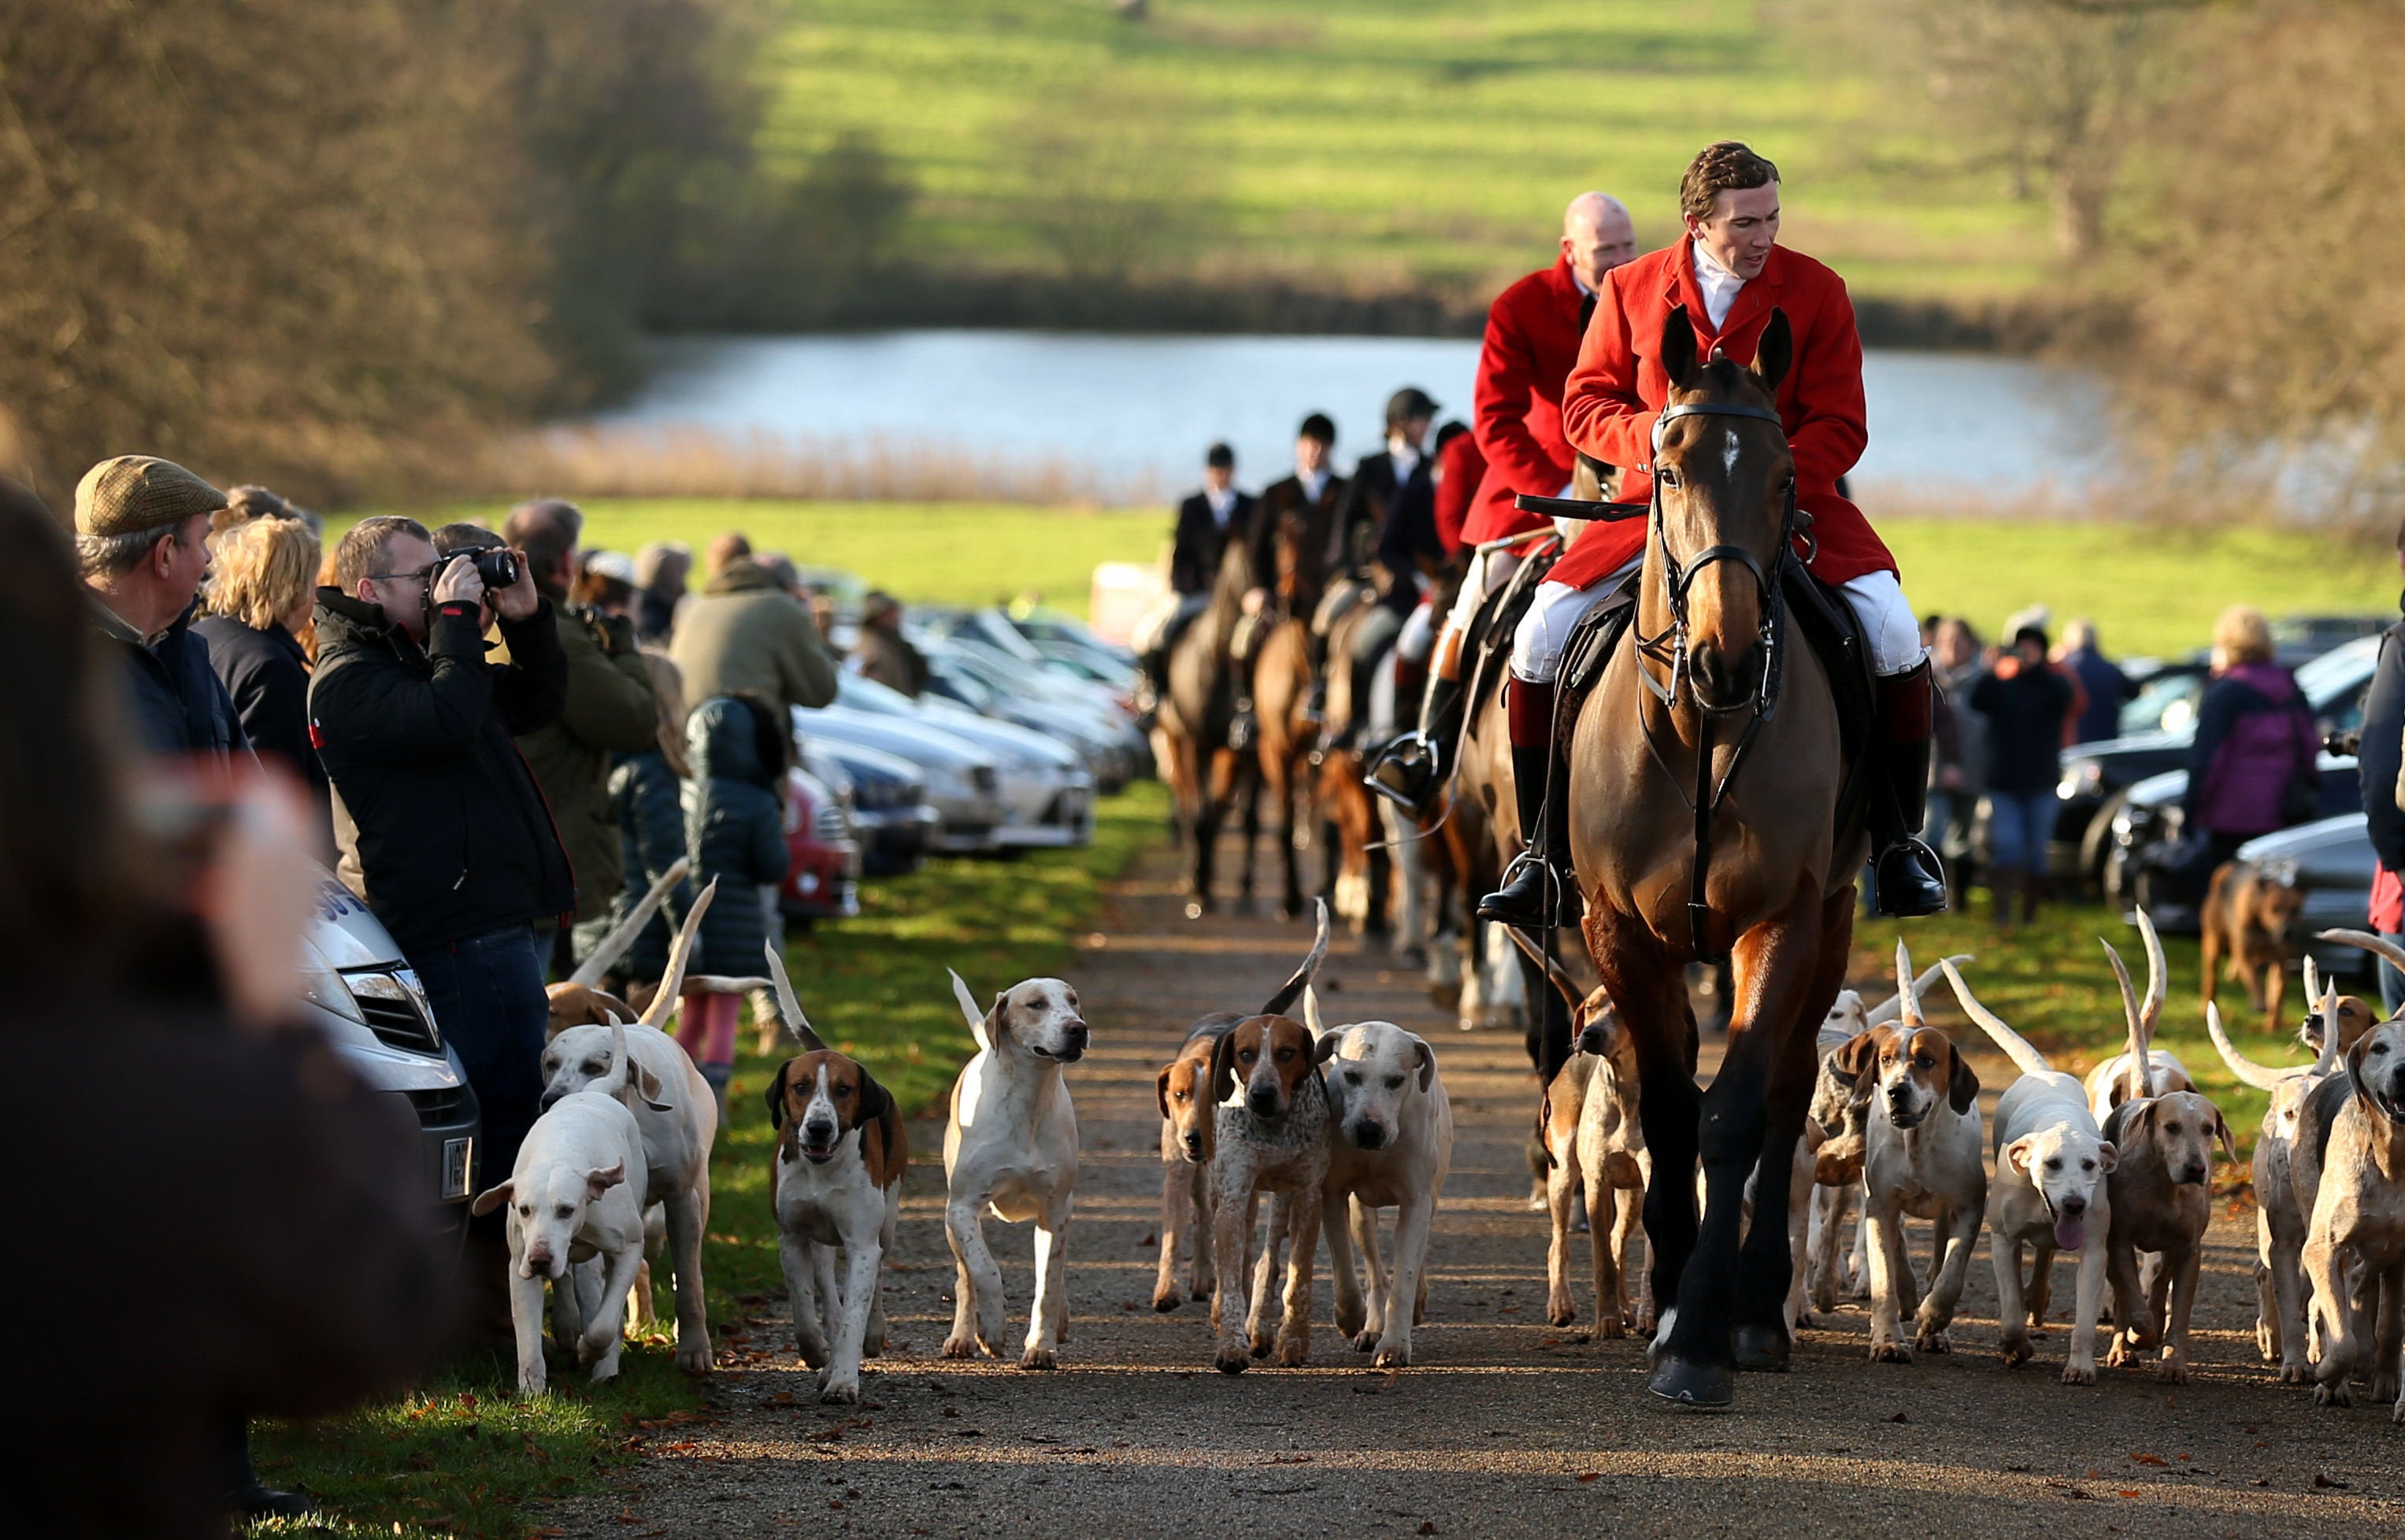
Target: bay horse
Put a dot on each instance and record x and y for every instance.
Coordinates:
(1708, 699)
(1285, 734)
(1190, 728)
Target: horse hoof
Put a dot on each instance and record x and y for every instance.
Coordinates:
(1761, 1349)
(1693, 1387)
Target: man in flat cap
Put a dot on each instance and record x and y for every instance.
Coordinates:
(142, 538)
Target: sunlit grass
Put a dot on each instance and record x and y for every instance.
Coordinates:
(461, 1455)
(1379, 143)
(2051, 984)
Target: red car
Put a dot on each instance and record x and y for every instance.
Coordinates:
(823, 869)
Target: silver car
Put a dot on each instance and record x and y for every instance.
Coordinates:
(362, 993)
(1046, 793)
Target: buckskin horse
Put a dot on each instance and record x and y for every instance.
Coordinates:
(1191, 728)
(1711, 816)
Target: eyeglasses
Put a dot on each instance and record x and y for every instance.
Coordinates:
(423, 574)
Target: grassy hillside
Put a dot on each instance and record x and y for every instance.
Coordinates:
(1372, 144)
(2151, 589)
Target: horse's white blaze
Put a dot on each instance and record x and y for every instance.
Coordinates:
(1728, 453)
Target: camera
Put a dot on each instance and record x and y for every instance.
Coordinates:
(497, 568)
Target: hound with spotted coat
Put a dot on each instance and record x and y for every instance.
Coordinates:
(1272, 1137)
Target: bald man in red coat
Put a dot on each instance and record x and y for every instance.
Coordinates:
(1532, 339)
(1728, 276)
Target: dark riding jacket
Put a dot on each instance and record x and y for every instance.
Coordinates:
(1200, 540)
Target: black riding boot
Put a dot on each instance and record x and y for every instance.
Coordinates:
(1409, 771)
(1535, 890)
(1909, 878)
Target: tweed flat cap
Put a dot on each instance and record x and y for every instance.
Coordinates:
(132, 494)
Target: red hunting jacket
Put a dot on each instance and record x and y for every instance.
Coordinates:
(1618, 389)
(1532, 339)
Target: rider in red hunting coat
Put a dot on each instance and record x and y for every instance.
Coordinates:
(1728, 274)
(1532, 339)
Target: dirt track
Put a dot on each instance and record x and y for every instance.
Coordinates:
(1505, 1423)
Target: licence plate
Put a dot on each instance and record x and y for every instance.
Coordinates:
(457, 1158)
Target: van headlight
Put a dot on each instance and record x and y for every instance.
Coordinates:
(324, 989)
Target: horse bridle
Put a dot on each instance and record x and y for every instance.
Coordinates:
(1678, 577)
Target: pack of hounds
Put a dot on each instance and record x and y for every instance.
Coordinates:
(1319, 1129)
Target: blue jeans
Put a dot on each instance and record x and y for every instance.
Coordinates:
(2019, 823)
(489, 1003)
(2392, 983)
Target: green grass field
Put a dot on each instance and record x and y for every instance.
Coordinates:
(461, 1455)
(2151, 589)
(1375, 145)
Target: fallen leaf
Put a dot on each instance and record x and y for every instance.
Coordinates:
(2323, 1478)
(2129, 1492)
(2151, 1460)
(1597, 1475)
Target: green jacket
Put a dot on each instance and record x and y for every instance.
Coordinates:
(609, 708)
(744, 636)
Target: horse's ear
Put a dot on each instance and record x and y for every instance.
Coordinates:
(1678, 349)
(1774, 353)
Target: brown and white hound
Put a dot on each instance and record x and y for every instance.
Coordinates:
(836, 1185)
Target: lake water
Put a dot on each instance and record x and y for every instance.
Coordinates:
(1133, 413)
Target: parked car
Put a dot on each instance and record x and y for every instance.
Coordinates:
(962, 782)
(2149, 821)
(887, 797)
(2333, 862)
(1046, 793)
(362, 994)
(992, 684)
(823, 858)
(2098, 777)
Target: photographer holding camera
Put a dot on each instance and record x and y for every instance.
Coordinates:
(442, 827)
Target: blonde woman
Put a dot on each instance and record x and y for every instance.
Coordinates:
(2252, 768)
(258, 599)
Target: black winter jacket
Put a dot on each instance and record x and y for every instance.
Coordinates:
(444, 831)
(2384, 748)
(178, 704)
(267, 675)
(735, 830)
(644, 797)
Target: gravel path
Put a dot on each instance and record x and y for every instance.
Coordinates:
(1505, 1423)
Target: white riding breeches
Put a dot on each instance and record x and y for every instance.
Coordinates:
(1418, 635)
(1888, 623)
(1488, 571)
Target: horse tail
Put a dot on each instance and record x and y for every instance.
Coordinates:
(2016, 1048)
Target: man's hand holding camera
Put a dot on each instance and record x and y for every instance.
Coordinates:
(503, 575)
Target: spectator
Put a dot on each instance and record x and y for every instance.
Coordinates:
(610, 709)
(1960, 766)
(745, 636)
(142, 538)
(646, 800)
(883, 653)
(119, 1013)
(2106, 687)
(660, 571)
(605, 581)
(246, 503)
(2381, 755)
(2025, 703)
(735, 830)
(442, 830)
(2252, 768)
(260, 596)
(729, 549)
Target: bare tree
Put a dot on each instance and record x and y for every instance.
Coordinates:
(2049, 93)
(2265, 359)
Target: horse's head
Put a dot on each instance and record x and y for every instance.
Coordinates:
(1725, 484)
(1300, 543)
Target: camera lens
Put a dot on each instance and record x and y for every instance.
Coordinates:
(498, 569)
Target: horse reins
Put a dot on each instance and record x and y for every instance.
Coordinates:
(1679, 578)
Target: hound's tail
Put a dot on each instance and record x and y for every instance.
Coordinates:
(2016, 1048)
(1558, 976)
(622, 936)
(2261, 1076)
(2141, 1068)
(788, 1005)
(1293, 987)
(1891, 1008)
(680, 957)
